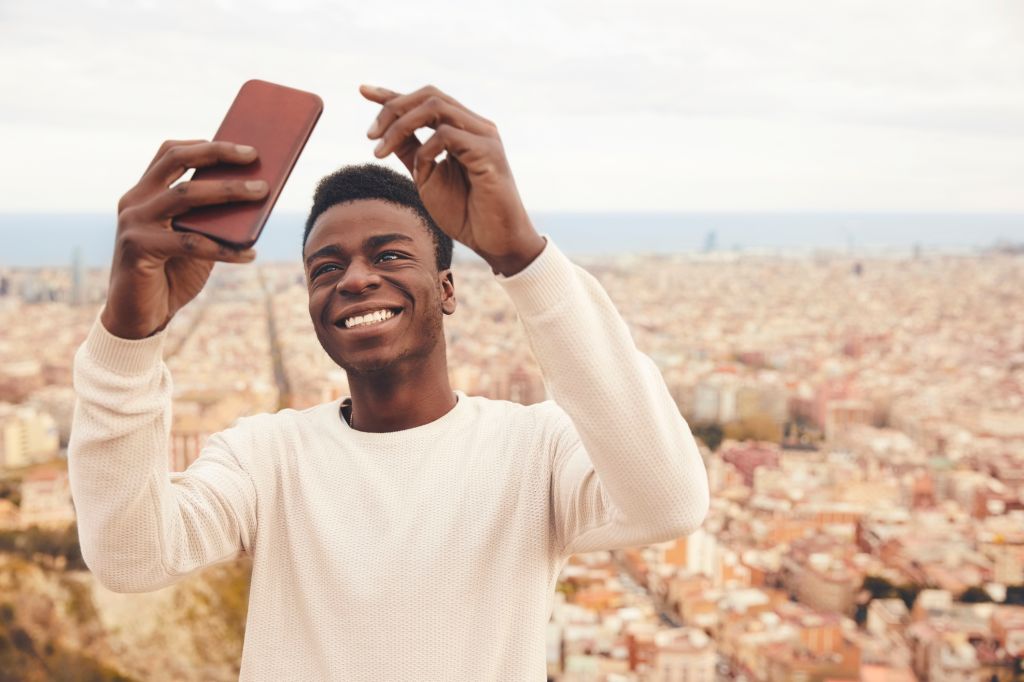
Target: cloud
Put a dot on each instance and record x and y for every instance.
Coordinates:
(702, 91)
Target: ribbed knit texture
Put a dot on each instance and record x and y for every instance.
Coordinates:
(426, 554)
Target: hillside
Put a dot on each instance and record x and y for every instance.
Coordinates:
(62, 625)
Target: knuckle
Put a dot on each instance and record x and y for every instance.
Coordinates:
(176, 159)
(190, 242)
(233, 190)
(127, 215)
(127, 243)
(174, 154)
(125, 201)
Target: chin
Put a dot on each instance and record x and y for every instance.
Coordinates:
(366, 365)
(390, 358)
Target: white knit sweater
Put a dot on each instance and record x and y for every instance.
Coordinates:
(426, 554)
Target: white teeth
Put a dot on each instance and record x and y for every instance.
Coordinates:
(368, 318)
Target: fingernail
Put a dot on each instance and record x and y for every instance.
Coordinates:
(244, 149)
(256, 186)
(380, 146)
(373, 128)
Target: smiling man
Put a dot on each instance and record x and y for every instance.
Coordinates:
(379, 278)
(408, 532)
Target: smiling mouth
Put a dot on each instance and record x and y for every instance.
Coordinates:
(368, 319)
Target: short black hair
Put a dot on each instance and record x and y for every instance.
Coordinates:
(372, 181)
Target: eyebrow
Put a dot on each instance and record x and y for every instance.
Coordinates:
(374, 242)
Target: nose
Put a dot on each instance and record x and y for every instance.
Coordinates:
(357, 278)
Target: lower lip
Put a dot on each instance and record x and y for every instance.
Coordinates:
(369, 329)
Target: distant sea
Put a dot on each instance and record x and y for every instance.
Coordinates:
(51, 239)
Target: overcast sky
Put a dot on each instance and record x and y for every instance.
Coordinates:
(683, 105)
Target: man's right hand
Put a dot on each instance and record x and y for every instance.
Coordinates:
(157, 270)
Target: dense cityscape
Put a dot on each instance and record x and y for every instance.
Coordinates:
(861, 419)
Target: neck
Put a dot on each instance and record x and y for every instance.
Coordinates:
(399, 400)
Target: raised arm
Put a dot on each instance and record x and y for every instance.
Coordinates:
(625, 468)
(140, 527)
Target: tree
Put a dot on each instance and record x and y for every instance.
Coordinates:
(975, 595)
(908, 593)
(711, 434)
(879, 587)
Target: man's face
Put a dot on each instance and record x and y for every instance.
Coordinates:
(376, 298)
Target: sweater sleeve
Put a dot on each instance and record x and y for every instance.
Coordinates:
(625, 468)
(141, 527)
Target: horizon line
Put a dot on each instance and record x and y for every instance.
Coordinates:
(628, 211)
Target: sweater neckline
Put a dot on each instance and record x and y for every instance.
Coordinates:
(332, 413)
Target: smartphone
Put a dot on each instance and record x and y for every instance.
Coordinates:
(277, 121)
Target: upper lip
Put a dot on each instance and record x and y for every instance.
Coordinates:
(364, 308)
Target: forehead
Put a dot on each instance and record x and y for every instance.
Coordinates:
(349, 224)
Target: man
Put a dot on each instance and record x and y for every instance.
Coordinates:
(410, 532)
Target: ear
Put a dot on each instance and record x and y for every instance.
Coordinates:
(446, 280)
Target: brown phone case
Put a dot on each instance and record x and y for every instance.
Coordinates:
(277, 121)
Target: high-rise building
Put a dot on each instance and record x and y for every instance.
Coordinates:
(714, 399)
(711, 242)
(26, 437)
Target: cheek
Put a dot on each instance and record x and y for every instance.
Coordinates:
(316, 306)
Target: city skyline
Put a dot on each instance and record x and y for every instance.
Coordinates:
(55, 237)
(863, 442)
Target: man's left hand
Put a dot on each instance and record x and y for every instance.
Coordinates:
(470, 193)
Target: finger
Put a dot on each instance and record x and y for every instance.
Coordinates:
(476, 153)
(425, 159)
(167, 145)
(395, 105)
(430, 113)
(406, 152)
(138, 192)
(193, 245)
(377, 94)
(178, 159)
(185, 195)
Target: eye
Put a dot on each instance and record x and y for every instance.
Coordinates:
(322, 269)
(388, 256)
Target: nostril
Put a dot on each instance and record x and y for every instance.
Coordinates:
(356, 281)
